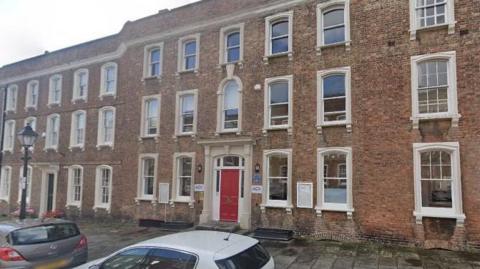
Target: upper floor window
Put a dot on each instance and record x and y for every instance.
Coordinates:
(152, 61)
(5, 182)
(12, 92)
(186, 116)
(278, 178)
(55, 90)
(53, 132)
(150, 125)
(32, 94)
(183, 177)
(434, 87)
(278, 103)
(106, 126)
(335, 180)
(109, 79)
(231, 44)
(334, 98)
(333, 23)
(80, 86)
(103, 187)
(75, 186)
(438, 191)
(189, 49)
(230, 114)
(431, 13)
(278, 34)
(77, 136)
(9, 136)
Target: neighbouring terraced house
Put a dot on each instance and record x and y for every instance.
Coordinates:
(342, 119)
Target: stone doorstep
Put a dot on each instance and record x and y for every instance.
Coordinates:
(228, 227)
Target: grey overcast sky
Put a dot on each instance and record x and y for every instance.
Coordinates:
(30, 27)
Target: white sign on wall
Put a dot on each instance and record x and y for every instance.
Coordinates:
(199, 188)
(304, 194)
(257, 189)
(163, 193)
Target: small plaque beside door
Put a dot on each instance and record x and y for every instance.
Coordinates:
(304, 194)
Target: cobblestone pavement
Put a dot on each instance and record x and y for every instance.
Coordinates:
(104, 239)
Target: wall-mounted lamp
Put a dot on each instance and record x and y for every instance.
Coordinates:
(199, 168)
(257, 168)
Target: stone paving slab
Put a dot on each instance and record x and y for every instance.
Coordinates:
(105, 238)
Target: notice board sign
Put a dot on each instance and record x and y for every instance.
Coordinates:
(304, 194)
(163, 193)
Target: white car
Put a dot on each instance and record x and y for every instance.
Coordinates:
(189, 250)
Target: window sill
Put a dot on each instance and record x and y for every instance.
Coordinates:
(73, 205)
(4, 199)
(8, 151)
(50, 105)
(345, 44)
(192, 135)
(74, 101)
(289, 54)
(233, 131)
(28, 108)
(183, 200)
(347, 125)
(138, 200)
(50, 149)
(79, 147)
(446, 215)
(183, 72)
(155, 137)
(104, 207)
(344, 209)
(100, 146)
(239, 63)
(276, 128)
(288, 207)
(441, 116)
(450, 26)
(159, 77)
(11, 111)
(102, 96)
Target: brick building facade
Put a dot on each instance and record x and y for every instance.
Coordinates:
(341, 119)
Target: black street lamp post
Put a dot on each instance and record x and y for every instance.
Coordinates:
(27, 137)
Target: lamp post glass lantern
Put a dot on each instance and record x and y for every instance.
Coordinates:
(27, 137)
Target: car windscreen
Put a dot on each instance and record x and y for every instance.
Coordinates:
(43, 234)
(253, 258)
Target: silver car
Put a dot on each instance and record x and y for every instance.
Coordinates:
(36, 244)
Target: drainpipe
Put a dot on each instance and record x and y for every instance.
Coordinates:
(2, 124)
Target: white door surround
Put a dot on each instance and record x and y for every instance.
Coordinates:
(215, 149)
(46, 170)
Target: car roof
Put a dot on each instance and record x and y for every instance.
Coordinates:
(209, 243)
(8, 226)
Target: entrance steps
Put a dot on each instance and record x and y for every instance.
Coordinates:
(228, 227)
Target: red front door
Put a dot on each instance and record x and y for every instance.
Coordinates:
(229, 196)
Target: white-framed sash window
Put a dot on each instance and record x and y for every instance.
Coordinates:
(9, 136)
(147, 177)
(150, 124)
(189, 53)
(12, 93)
(80, 85)
(277, 183)
(438, 187)
(77, 135)
(334, 179)
(434, 87)
(279, 35)
(334, 98)
(109, 79)
(333, 23)
(229, 109)
(5, 183)
(231, 44)
(153, 60)
(31, 100)
(278, 105)
(183, 177)
(425, 14)
(103, 187)
(186, 112)
(53, 132)
(75, 186)
(106, 127)
(55, 90)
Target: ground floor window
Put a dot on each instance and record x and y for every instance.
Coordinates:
(277, 174)
(103, 189)
(75, 183)
(437, 180)
(183, 176)
(147, 176)
(21, 184)
(335, 179)
(5, 180)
